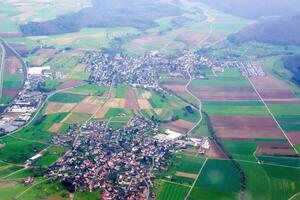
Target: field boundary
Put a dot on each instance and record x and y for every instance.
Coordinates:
(194, 183)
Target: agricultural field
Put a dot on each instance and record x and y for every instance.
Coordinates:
(252, 123)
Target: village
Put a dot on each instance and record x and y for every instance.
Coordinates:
(144, 71)
(119, 162)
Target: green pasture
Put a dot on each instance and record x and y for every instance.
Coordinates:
(66, 98)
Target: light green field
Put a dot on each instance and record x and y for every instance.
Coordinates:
(235, 108)
(172, 191)
(290, 109)
(115, 112)
(121, 91)
(91, 90)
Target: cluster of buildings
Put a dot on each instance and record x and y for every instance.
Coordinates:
(118, 162)
(20, 110)
(250, 69)
(143, 71)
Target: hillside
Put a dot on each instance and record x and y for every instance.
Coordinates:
(255, 9)
(292, 63)
(140, 14)
(280, 31)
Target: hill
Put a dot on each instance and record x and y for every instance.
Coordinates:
(279, 31)
(292, 63)
(255, 9)
(140, 14)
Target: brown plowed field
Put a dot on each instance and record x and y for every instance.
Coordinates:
(59, 107)
(226, 96)
(176, 88)
(146, 95)
(55, 127)
(11, 92)
(214, 151)
(275, 149)
(85, 108)
(101, 113)
(144, 104)
(187, 175)
(70, 83)
(12, 64)
(180, 126)
(245, 127)
(246, 89)
(46, 52)
(273, 90)
(115, 103)
(80, 68)
(131, 99)
(194, 39)
(93, 100)
(279, 96)
(10, 35)
(294, 136)
(267, 82)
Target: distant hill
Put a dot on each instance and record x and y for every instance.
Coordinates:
(140, 14)
(280, 31)
(255, 9)
(292, 63)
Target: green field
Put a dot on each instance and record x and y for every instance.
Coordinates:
(289, 109)
(279, 160)
(277, 182)
(91, 90)
(206, 194)
(5, 171)
(18, 151)
(52, 84)
(241, 150)
(189, 164)
(121, 91)
(203, 129)
(66, 98)
(50, 156)
(116, 125)
(115, 112)
(220, 176)
(77, 118)
(235, 108)
(172, 191)
(38, 129)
